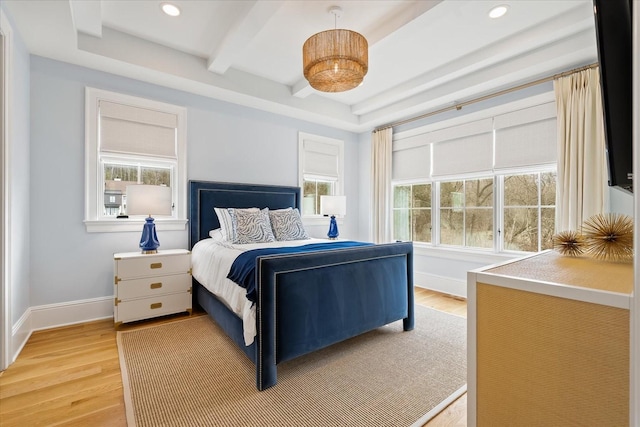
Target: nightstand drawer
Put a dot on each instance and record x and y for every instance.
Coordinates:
(144, 308)
(158, 265)
(151, 286)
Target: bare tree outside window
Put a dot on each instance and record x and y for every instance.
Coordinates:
(529, 211)
(478, 221)
(466, 213)
(412, 212)
(452, 213)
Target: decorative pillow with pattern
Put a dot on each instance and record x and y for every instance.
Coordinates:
(251, 226)
(287, 225)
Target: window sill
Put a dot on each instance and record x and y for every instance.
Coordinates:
(465, 255)
(126, 224)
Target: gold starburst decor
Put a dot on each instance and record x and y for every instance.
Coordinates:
(569, 243)
(609, 236)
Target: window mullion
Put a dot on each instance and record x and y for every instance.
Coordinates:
(539, 180)
(435, 218)
(499, 213)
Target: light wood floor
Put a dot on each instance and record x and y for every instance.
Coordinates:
(70, 376)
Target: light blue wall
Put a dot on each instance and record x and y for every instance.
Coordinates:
(18, 174)
(225, 142)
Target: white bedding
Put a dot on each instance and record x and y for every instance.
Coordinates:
(211, 261)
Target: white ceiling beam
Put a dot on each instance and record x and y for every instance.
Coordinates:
(87, 16)
(123, 54)
(553, 31)
(241, 35)
(377, 32)
(301, 89)
(513, 71)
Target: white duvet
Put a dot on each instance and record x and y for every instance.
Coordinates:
(211, 261)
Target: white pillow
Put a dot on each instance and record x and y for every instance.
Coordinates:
(287, 225)
(251, 226)
(217, 235)
(226, 223)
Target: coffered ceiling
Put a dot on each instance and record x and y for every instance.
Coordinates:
(423, 55)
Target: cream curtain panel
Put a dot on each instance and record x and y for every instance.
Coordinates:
(582, 168)
(381, 160)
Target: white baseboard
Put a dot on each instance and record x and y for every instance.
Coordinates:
(446, 285)
(56, 315)
(20, 333)
(69, 313)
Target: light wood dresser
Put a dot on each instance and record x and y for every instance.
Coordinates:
(548, 342)
(151, 285)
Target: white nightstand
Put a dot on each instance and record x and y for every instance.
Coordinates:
(151, 285)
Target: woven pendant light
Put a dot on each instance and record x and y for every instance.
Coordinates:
(335, 60)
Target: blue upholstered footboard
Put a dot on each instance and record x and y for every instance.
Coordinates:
(312, 300)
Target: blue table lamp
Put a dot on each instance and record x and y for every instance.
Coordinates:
(149, 200)
(332, 206)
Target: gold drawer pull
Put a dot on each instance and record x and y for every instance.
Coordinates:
(156, 265)
(157, 285)
(155, 305)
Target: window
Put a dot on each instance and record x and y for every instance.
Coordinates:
(321, 164)
(467, 217)
(129, 141)
(312, 189)
(488, 184)
(412, 212)
(466, 213)
(529, 211)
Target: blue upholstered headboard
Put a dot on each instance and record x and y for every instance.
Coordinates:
(204, 196)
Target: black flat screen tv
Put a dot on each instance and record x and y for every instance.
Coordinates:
(613, 35)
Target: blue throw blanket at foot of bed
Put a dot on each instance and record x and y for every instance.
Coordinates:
(243, 268)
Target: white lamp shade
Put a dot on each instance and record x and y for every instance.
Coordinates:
(149, 200)
(333, 205)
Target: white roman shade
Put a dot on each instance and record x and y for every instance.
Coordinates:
(321, 160)
(135, 130)
(526, 137)
(411, 159)
(463, 149)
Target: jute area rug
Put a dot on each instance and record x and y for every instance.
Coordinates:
(188, 373)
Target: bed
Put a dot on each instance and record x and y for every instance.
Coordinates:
(306, 301)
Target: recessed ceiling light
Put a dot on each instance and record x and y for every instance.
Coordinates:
(170, 9)
(498, 11)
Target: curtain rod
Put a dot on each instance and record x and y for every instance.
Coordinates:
(458, 106)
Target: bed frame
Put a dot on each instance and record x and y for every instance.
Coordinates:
(305, 301)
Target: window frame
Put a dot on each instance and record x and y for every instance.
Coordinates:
(412, 208)
(465, 210)
(498, 209)
(93, 219)
(338, 186)
(501, 193)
